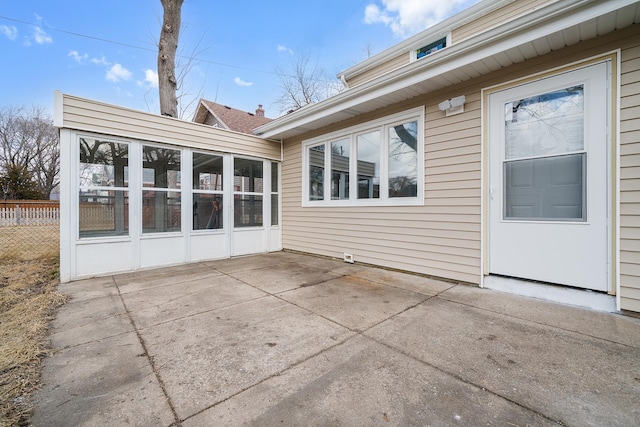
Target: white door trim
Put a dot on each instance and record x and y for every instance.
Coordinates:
(613, 59)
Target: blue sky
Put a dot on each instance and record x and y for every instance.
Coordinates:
(105, 50)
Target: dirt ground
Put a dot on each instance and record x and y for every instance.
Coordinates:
(28, 298)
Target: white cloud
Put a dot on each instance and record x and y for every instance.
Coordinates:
(10, 31)
(241, 82)
(282, 48)
(406, 17)
(41, 37)
(78, 58)
(118, 73)
(100, 61)
(151, 77)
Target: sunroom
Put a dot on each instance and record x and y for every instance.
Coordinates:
(142, 191)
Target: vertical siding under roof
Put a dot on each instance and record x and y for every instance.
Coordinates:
(630, 178)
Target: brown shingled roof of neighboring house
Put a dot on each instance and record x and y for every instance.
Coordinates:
(225, 117)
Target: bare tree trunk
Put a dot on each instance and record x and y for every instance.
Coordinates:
(167, 81)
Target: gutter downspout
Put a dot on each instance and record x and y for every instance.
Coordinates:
(344, 81)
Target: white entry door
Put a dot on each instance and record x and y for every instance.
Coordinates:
(548, 179)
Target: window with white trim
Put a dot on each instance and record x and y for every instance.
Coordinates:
(104, 188)
(421, 51)
(376, 163)
(208, 172)
(161, 192)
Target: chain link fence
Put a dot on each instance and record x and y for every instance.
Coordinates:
(29, 229)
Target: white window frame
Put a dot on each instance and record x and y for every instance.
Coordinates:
(413, 52)
(181, 190)
(351, 133)
(79, 188)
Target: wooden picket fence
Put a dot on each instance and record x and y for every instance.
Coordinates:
(27, 216)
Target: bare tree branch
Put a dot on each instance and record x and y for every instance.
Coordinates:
(28, 141)
(302, 83)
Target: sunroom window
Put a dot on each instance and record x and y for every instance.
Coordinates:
(104, 196)
(161, 193)
(376, 163)
(207, 192)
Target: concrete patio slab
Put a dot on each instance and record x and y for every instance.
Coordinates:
(285, 276)
(229, 350)
(364, 383)
(622, 329)
(127, 283)
(89, 320)
(169, 302)
(242, 263)
(406, 281)
(572, 378)
(105, 382)
(352, 302)
(289, 339)
(89, 288)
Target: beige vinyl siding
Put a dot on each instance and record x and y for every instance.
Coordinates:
(441, 238)
(387, 66)
(630, 178)
(500, 16)
(86, 115)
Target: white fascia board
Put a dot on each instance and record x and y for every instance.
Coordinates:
(539, 23)
(433, 33)
(58, 105)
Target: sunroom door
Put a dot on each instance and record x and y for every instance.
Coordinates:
(249, 235)
(548, 201)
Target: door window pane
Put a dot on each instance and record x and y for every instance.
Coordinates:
(274, 193)
(550, 188)
(340, 169)
(248, 175)
(160, 211)
(274, 177)
(274, 209)
(207, 172)
(316, 172)
(368, 148)
(161, 167)
(247, 210)
(547, 124)
(403, 160)
(160, 208)
(207, 211)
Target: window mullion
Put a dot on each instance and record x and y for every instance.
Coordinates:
(353, 169)
(384, 164)
(327, 172)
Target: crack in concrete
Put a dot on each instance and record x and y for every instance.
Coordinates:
(150, 359)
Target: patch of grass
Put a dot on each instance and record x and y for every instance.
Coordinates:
(28, 298)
